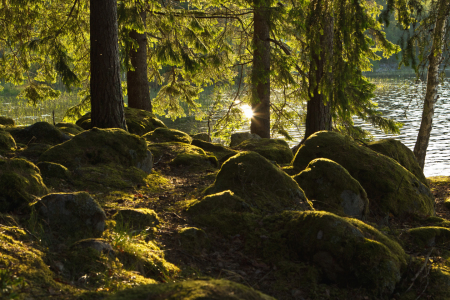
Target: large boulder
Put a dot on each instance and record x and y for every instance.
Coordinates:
(136, 218)
(239, 137)
(75, 215)
(104, 158)
(40, 132)
(7, 121)
(180, 154)
(163, 135)
(7, 142)
(389, 186)
(138, 121)
(69, 128)
(192, 290)
(401, 154)
(272, 149)
(348, 251)
(21, 183)
(221, 152)
(101, 146)
(33, 151)
(330, 187)
(260, 183)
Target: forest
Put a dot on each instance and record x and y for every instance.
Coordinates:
(113, 198)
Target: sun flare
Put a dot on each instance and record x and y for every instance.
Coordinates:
(247, 110)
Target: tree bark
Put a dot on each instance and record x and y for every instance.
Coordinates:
(260, 122)
(431, 95)
(318, 112)
(137, 80)
(106, 91)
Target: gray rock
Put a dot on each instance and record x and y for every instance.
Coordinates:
(72, 214)
(100, 245)
(239, 137)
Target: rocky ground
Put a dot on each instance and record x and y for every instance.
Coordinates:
(92, 214)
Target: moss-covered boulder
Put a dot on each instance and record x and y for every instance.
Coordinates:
(224, 212)
(330, 187)
(239, 137)
(260, 183)
(430, 236)
(100, 245)
(193, 239)
(40, 132)
(163, 135)
(101, 146)
(138, 121)
(7, 122)
(221, 152)
(53, 170)
(7, 142)
(192, 290)
(33, 151)
(401, 154)
(203, 136)
(75, 215)
(182, 154)
(20, 183)
(389, 186)
(272, 149)
(69, 128)
(137, 218)
(348, 251)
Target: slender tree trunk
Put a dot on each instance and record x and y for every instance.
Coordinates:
(137, 80)
(431, 96)
(106, 91)
(318, 112)
(260, 122)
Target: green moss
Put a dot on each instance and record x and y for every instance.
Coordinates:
(40, 132)
(69, 128)
(33, 151)
(333, 188)
(260, 183)
(202, 136)
(155, 182)
(219, 151)
(348, 251)
(224, 212)
(138, 121)
(272, 149)
(53, 170)
(192, 290)
(401, 154)
(389, 186)
(195, 160)
(430, 236)
(26, 262)
(21, 182)
(164, 135)
(137, 218)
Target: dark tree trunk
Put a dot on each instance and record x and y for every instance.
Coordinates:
(431, 96)
(260, 122)
(137, 80)
(318, 112)
(106, 92)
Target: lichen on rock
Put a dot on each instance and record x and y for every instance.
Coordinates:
(273, 149)
(333, 189)
(390, 187)
(21, 183)
(263, 185)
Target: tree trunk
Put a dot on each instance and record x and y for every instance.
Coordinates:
(137, 80)
(431, 96)
(260, 122)
(106, 92)
(318, 112)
